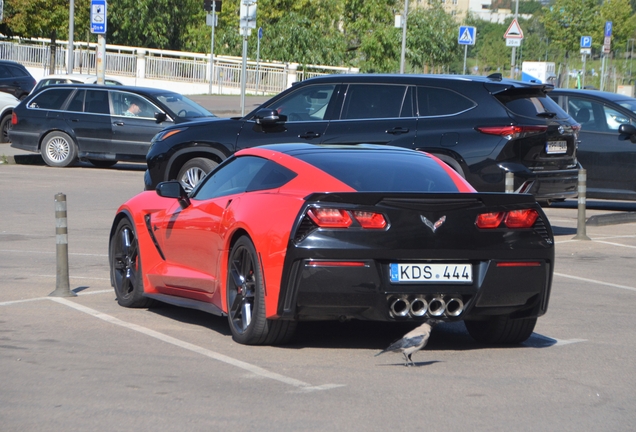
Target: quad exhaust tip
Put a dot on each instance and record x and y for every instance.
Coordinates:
(420, 306)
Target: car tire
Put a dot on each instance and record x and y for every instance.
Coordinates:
(5, 126)
(125, 267)
(58, 150)
(102, 163)
(193, 171)
(501, 330)
(246, 300)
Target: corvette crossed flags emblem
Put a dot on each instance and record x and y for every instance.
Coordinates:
(431, 225)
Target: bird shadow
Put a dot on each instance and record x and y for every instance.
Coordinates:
(415, 364)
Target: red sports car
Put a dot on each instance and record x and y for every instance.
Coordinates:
(290, 232)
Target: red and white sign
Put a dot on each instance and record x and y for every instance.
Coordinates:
(514, 31)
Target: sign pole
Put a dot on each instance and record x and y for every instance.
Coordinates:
(584, 61)
(247, 23)
(514, 48)
(465, 55)
(212, 46)
(98, 26)
(403, 53)
(466, 37)
(258, 58)
(71, 31)
(101, 59)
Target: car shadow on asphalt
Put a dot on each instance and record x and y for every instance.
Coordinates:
(192, 316)
(562, 231)
(354, 334)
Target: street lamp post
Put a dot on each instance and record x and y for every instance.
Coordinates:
(403, 55)
(71, 30)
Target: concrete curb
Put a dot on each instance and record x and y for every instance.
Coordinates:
(611, 219)
(22, 159)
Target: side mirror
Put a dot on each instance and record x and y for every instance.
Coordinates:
(173, 189)
(267, 116)
(627, 132)
(160, 117)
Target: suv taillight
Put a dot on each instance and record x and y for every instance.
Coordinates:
(510, 131)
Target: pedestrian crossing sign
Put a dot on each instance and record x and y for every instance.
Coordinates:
(466, 35)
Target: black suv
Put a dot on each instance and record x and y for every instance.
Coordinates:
(483, 127)
(15, 79)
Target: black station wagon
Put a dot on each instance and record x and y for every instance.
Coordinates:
(483, 127)
(101, 124)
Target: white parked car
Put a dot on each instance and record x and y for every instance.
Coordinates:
(72, 79)
(7, 103)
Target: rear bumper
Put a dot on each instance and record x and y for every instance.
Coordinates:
(365, 292)
(544, 185)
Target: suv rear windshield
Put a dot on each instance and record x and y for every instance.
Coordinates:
(530, 103)
(393, 172)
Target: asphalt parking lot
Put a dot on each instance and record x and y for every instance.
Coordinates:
(84, 363)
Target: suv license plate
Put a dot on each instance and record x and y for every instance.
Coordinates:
(556, 147)
(431, 273)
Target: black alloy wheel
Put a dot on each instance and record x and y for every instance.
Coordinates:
(125, 267)
(246, 300)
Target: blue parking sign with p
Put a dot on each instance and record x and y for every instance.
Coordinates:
(466, 35)
(586, 41)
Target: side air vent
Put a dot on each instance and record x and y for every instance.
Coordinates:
(304, 229)
(542, 230)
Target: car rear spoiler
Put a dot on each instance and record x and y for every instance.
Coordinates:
(408, 199)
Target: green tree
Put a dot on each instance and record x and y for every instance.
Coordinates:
(493, 54)
(39, 18)
(623, 22)
(432, 38)
(156, 24)
(374, 44)
(567, 20)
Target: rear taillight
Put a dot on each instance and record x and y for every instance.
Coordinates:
(513, 219)
(370, 220)
(330, 218)
(489, 220)
(521, 218)
(511, 132)
(340, 218)
(14, 119)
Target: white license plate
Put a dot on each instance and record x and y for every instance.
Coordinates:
(432, 273)
(556, 147)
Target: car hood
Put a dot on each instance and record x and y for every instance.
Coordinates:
(202, 122)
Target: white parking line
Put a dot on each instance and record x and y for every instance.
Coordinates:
(300, 385)
(49, 252)
(81, 293)
(595, 281)
(615, 244)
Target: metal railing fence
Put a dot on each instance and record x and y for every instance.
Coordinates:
(266, 77)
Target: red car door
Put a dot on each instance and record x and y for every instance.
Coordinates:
(191, 241)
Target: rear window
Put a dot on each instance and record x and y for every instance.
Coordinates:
(368, 101)
(50, 99)
(383, 171)
(530, 103)
(433, 101)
